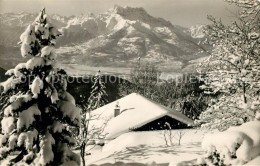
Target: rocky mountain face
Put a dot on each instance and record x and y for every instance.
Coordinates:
(118, 38)
(197, 31)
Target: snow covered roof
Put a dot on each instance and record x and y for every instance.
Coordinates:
(136, 111)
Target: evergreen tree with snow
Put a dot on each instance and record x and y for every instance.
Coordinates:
(96, 99)
(232, 68)
(98, 93)
(39, 111)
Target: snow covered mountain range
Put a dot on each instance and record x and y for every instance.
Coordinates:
(117, 38)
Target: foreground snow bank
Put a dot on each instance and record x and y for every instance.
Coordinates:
(255, 161)
(235, 146)
(145, 147)
(153, 138)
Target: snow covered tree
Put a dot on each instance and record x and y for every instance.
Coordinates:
(96, 99)
(183, 94)
(98, 94)
(143, 80)
(232, 68)
(39, 110)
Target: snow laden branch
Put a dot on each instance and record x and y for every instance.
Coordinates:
(39, 111)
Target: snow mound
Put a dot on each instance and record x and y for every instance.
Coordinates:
(147, 147)
(237, 145)
(255, 162)
(151, 138)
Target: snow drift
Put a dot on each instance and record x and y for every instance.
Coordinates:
(235, 146)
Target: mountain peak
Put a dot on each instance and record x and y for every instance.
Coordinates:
(138, 14)
(127, 9)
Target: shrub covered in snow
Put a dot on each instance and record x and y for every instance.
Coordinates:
(38, 110)
(235, 146)
(229, 110)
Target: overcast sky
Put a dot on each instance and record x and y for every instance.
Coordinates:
(179, 12)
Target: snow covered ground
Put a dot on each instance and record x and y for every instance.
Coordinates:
(236, 146)
(149, 147)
